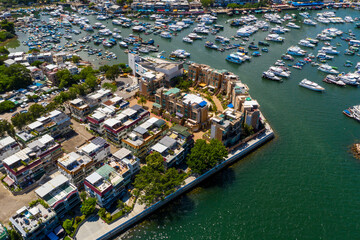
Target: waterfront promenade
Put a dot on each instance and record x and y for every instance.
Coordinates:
(98, 229)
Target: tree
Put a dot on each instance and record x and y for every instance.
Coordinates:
(4, 51)
(102, 212)
(68, 226)
(6, 127)
(36, 110)
(37, 63)
(120, 205)
(7, 26)
(6, 106)
(91, 81)
(14, 77)
(205, 156)
(88, 206)
(14, 235)
(110, 86)
(83, 196)
(142, 100)
(153, 182)
(233, 5)
(206, 3)
(64, 78)
(113, 72)
(75, 59)
(248, 130)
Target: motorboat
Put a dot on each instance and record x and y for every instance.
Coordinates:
(279, 30)
(350, 79)
(180, 53)
(194, 36)
(123, 44)
(270, 75)
(188, 40)
(211, 45)
(334, 80)
(330, 50)
(293, 25)
(312, 40)
(311, 85)
(309, 22)
(306, 43)
(166, 35)
(287, 57)
(279, 72)
(274, 38)
(246, 31)
(222, 39)
(327, 69)
(296, 51)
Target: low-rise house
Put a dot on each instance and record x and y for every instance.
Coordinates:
(175, 146)
(55, 123)
(76, 167)
(117, 127)
(143, 136)
(117, 103)
(8, 147)
(126, 163)
(190, 107)
(79, 109)
(96, 98)
(226, 127)
(97, 118)
(149, 82)
(105, 184)
(59, 194)
(97, 149)
(30, 164)
(34, 223)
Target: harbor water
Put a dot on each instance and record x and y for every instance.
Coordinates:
(303, 184)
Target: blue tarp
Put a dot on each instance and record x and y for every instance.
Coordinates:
(52, 236)
(202, 104)
(230, 105)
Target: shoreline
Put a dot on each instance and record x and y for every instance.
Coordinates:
(140, 211)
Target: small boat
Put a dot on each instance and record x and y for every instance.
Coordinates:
(334, 80)
(353, 112)
(311, 85)
(188, 40)
(256, 54)
(265, 50)
(262, 43)
(270, 75)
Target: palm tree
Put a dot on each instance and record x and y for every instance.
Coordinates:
(142, 100)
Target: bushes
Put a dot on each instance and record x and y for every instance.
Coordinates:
(6, 106)
(41, 201)
(88, 206)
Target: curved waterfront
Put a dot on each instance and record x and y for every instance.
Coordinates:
(304, 184)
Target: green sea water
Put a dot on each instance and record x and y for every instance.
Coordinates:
(303, 184)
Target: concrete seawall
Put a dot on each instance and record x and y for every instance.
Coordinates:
(233, 156)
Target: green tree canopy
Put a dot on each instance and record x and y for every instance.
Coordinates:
(68, 226)
(14, 77)
(153, 183)
(36, 110)
(88, 206)
(205, 156)
(6, 106)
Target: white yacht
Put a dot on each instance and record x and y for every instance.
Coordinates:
(327, 68)
(295, 50)
(306, 43)
(330, 50)
(309, 22)
(279, 72)
(246, 31)
(188, 40)
(194, 36)
(311, 85)
(274, 38)
(292, 25)
(271, 76)
(165, 35)
(180, 53)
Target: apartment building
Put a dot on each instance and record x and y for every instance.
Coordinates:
(29, 164)
(8, 147)
(215, 80)
(117, 127)
(226, 127)
(190, 107)
(76, 167)
(142, 137)
(97, 149)
(142, 65)
(96, 98)
(105, 184)
(174, 146)
(117, 103)
(55, 123)
(97, 118)
(252, 113)
(79, 109)
(149, 82)
(125, 163)
(34, 223)
(59, 194)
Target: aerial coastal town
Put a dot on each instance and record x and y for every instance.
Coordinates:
(92, 142)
